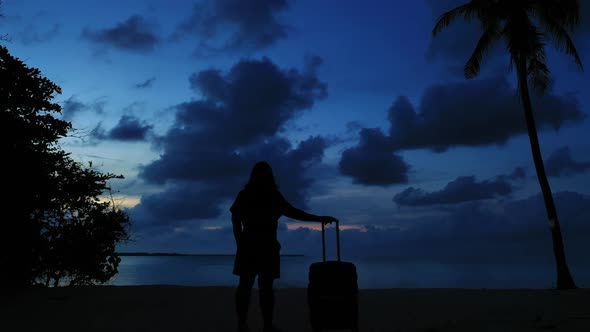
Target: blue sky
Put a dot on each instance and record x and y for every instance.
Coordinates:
(362, 114)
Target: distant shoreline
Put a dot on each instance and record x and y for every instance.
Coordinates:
(123, 254)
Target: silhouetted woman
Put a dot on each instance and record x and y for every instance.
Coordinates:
(255, 215)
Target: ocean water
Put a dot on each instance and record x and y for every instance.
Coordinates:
(372, 273)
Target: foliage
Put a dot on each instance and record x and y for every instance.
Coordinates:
(57, 228)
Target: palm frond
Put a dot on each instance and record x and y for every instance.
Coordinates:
(560, 37)
(485, 43)
(489, 12)
(466, 10)
(523, 39)
(566, 13)
(537, 69)
(539, 75)
(526, 45)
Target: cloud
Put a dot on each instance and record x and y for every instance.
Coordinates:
(234, 25)
(134, 34)
(216, 140)
(476, 232)
(146, 84)
(560, 163)
(462, 189)
(129, 128)
(72, 106)
(519, 173)
(514, 232)
(185, 201)
(477, 113)
(372, 162)
(206, 186)
(472, 114)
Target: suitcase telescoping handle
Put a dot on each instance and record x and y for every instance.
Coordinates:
(337, 240)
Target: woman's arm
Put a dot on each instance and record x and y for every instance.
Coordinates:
(295, 213)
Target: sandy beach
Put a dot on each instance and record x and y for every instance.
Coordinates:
(175, 308)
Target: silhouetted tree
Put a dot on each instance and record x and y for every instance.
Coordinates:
(56, 228)
(79, 231)
(525, 26)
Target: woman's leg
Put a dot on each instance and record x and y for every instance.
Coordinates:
(243, 298)
(267, 299)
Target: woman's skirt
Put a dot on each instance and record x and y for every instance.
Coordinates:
(258, 254)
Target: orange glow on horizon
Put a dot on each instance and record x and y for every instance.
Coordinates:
(123, 201)
(318, 227)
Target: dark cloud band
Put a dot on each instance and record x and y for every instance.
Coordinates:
(215, 141)
(471, 114)
(134, 34)
(234, 25)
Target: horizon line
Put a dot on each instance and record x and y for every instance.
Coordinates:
(183, 254)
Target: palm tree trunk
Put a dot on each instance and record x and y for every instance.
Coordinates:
(564, 278)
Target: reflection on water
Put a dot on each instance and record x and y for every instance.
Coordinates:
(373, 273)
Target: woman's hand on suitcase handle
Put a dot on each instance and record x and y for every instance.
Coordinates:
(328, 219)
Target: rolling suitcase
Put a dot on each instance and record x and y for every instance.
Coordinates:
(332, 292)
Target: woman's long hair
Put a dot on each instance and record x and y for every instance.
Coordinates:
(261, 178)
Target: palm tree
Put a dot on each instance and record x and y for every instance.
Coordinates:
(525, 26)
